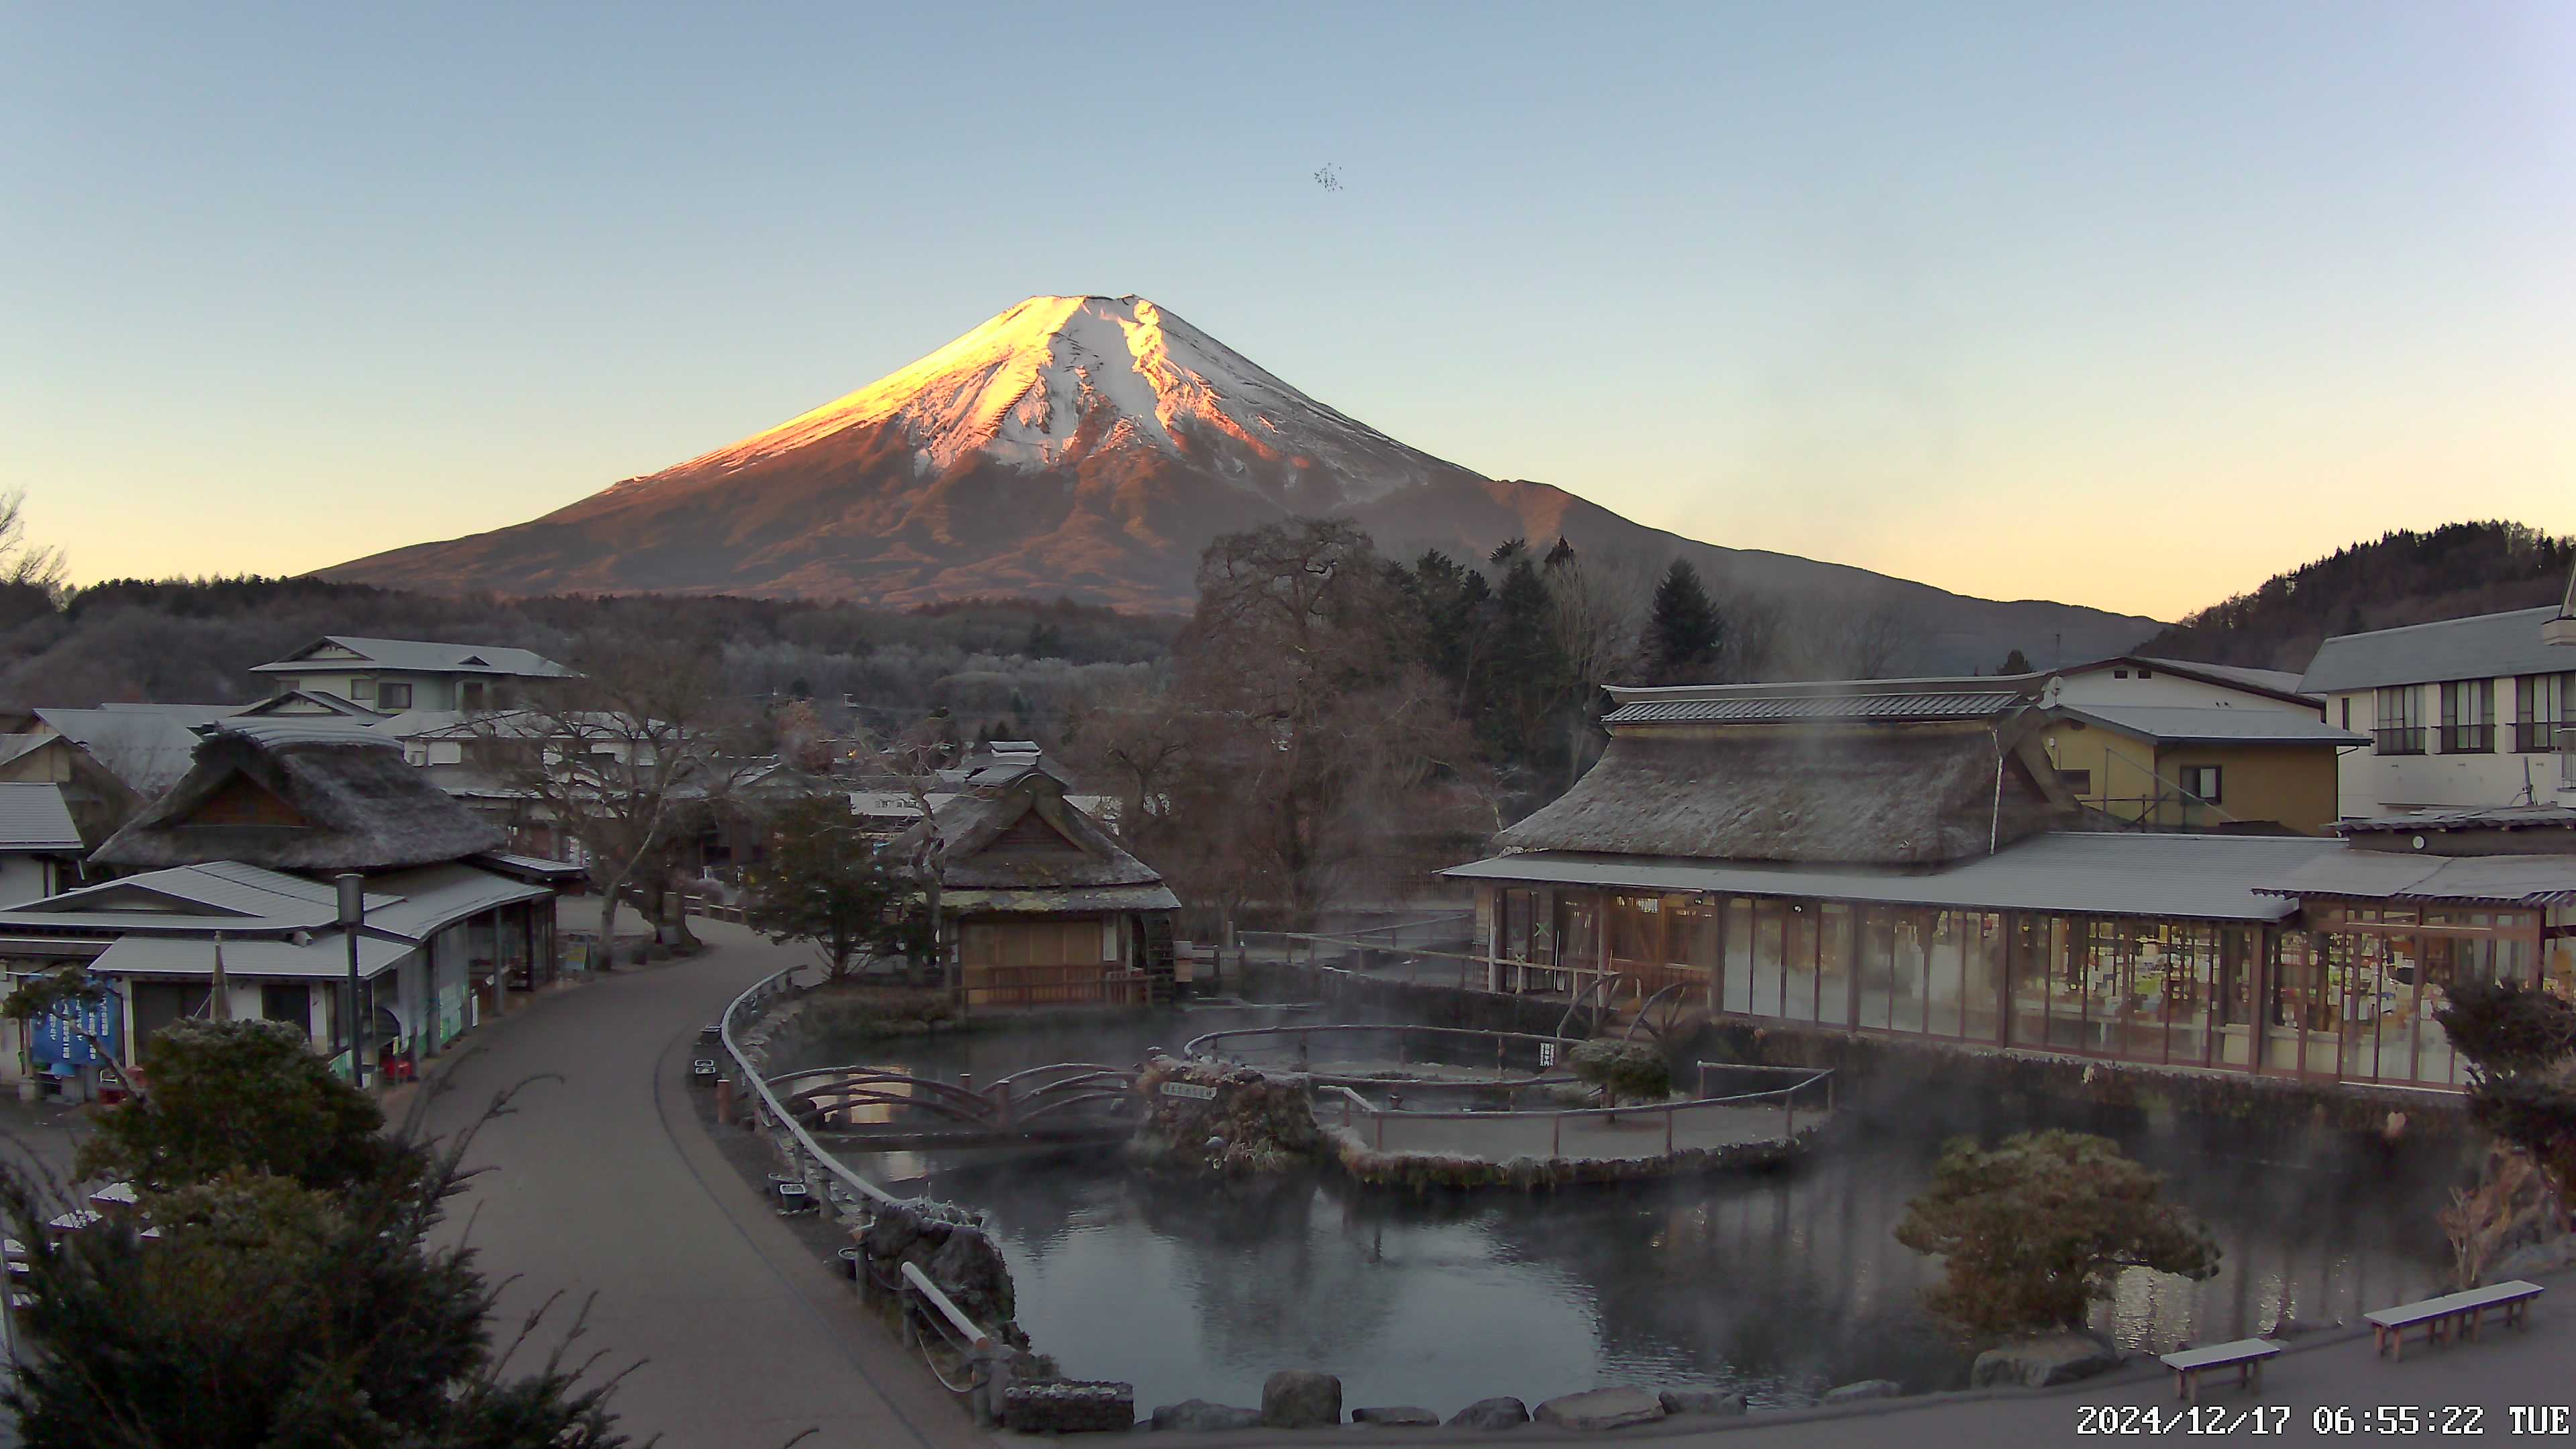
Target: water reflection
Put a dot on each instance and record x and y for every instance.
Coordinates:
(1781, 1284)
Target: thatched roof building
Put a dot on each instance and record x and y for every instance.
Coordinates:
(1018, 845)
(300, 801)
(1870, 773)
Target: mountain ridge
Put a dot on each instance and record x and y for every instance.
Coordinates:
(1089, 447)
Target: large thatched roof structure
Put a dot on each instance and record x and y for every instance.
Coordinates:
(1850, 792)
(320, 803)
(1017, 844)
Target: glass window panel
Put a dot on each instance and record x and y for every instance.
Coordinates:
(1769, 975)
(1945, 976)
(1738, 945)
(1834, 980)
(1877, 971)
(1800, 1004)
(1905, 971)
(1982, 976)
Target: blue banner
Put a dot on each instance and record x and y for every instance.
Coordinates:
(56, 1038)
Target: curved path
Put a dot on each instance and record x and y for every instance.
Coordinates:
(605, 1183)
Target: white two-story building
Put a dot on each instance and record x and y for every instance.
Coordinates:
(393, 676)
(2469, 713)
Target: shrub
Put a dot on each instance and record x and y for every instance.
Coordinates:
(1624, 1069)
(2039, 1227)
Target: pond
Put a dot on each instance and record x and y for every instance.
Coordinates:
(1781, 1284)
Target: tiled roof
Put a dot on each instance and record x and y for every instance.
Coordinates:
(1748, 709)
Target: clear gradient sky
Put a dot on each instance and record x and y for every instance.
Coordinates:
(2127, 309)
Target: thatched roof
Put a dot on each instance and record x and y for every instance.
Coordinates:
(1859, 794)
(301, 804)
(1021, 834)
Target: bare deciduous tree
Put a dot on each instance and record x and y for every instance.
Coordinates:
(622, 755)
(25, 564)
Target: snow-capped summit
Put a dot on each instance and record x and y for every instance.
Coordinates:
(1089, 448)
(1056, 379)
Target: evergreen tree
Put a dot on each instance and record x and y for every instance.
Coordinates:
(1683, 630)
(2016, 663)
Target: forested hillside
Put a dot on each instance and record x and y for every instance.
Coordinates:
(1001, 664)
(2402, 577)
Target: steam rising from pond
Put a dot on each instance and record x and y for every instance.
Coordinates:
(1783, 1283)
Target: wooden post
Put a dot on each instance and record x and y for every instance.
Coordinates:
(724, 1101)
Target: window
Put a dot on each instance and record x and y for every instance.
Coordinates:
(2201, 780)
(2543, 704)
(2146, 674)
(391, 696)
(470, 695)
(2119, 674)
(2077, 782)
(2346, 702)
(2468, 717)
(362, 689)
(2397, 720)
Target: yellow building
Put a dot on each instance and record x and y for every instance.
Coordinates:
(2174, 767)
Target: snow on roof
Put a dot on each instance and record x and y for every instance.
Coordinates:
(34, 818)
(419, 655)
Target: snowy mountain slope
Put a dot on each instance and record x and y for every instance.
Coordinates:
(1090, 447)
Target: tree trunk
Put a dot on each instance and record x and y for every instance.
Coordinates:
(608, 925)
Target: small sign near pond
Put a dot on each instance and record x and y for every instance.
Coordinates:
(1189, 1089)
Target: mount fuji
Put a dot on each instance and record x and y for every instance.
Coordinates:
(1090, 447)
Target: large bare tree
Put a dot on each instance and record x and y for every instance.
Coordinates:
(635, 747)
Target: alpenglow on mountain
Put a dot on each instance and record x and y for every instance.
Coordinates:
(1090, 447)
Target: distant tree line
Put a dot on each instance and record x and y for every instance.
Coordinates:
(1003, 667)
(2403, 577)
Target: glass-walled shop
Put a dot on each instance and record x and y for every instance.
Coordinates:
(2344, 993)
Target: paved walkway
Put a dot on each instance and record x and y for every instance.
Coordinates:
(604, 1183)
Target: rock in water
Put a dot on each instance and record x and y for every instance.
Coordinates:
(1198, 1416)
(2055, 1358)
(1700, 1401)
(1865, 1389)
(1301, 1399)
(1504, 1413)
(1601, 1409)
(1403, 1417)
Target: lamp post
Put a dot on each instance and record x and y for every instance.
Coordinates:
(353, 914)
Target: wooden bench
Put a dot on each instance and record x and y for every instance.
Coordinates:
(2245, 1355)
(2443, 1318)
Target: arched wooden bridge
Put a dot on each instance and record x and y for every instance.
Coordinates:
(864, 1108)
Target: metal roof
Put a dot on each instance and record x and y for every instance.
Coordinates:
(326, 957)
(2205, 724)
(2491, 817)
(435, 896)
(2274, 681)
(1746, 709)
(2484, 646)
(2384, 875)
(147, 749)
(305, 729)
(418, 655)
(2178, 877)
(34, 817)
